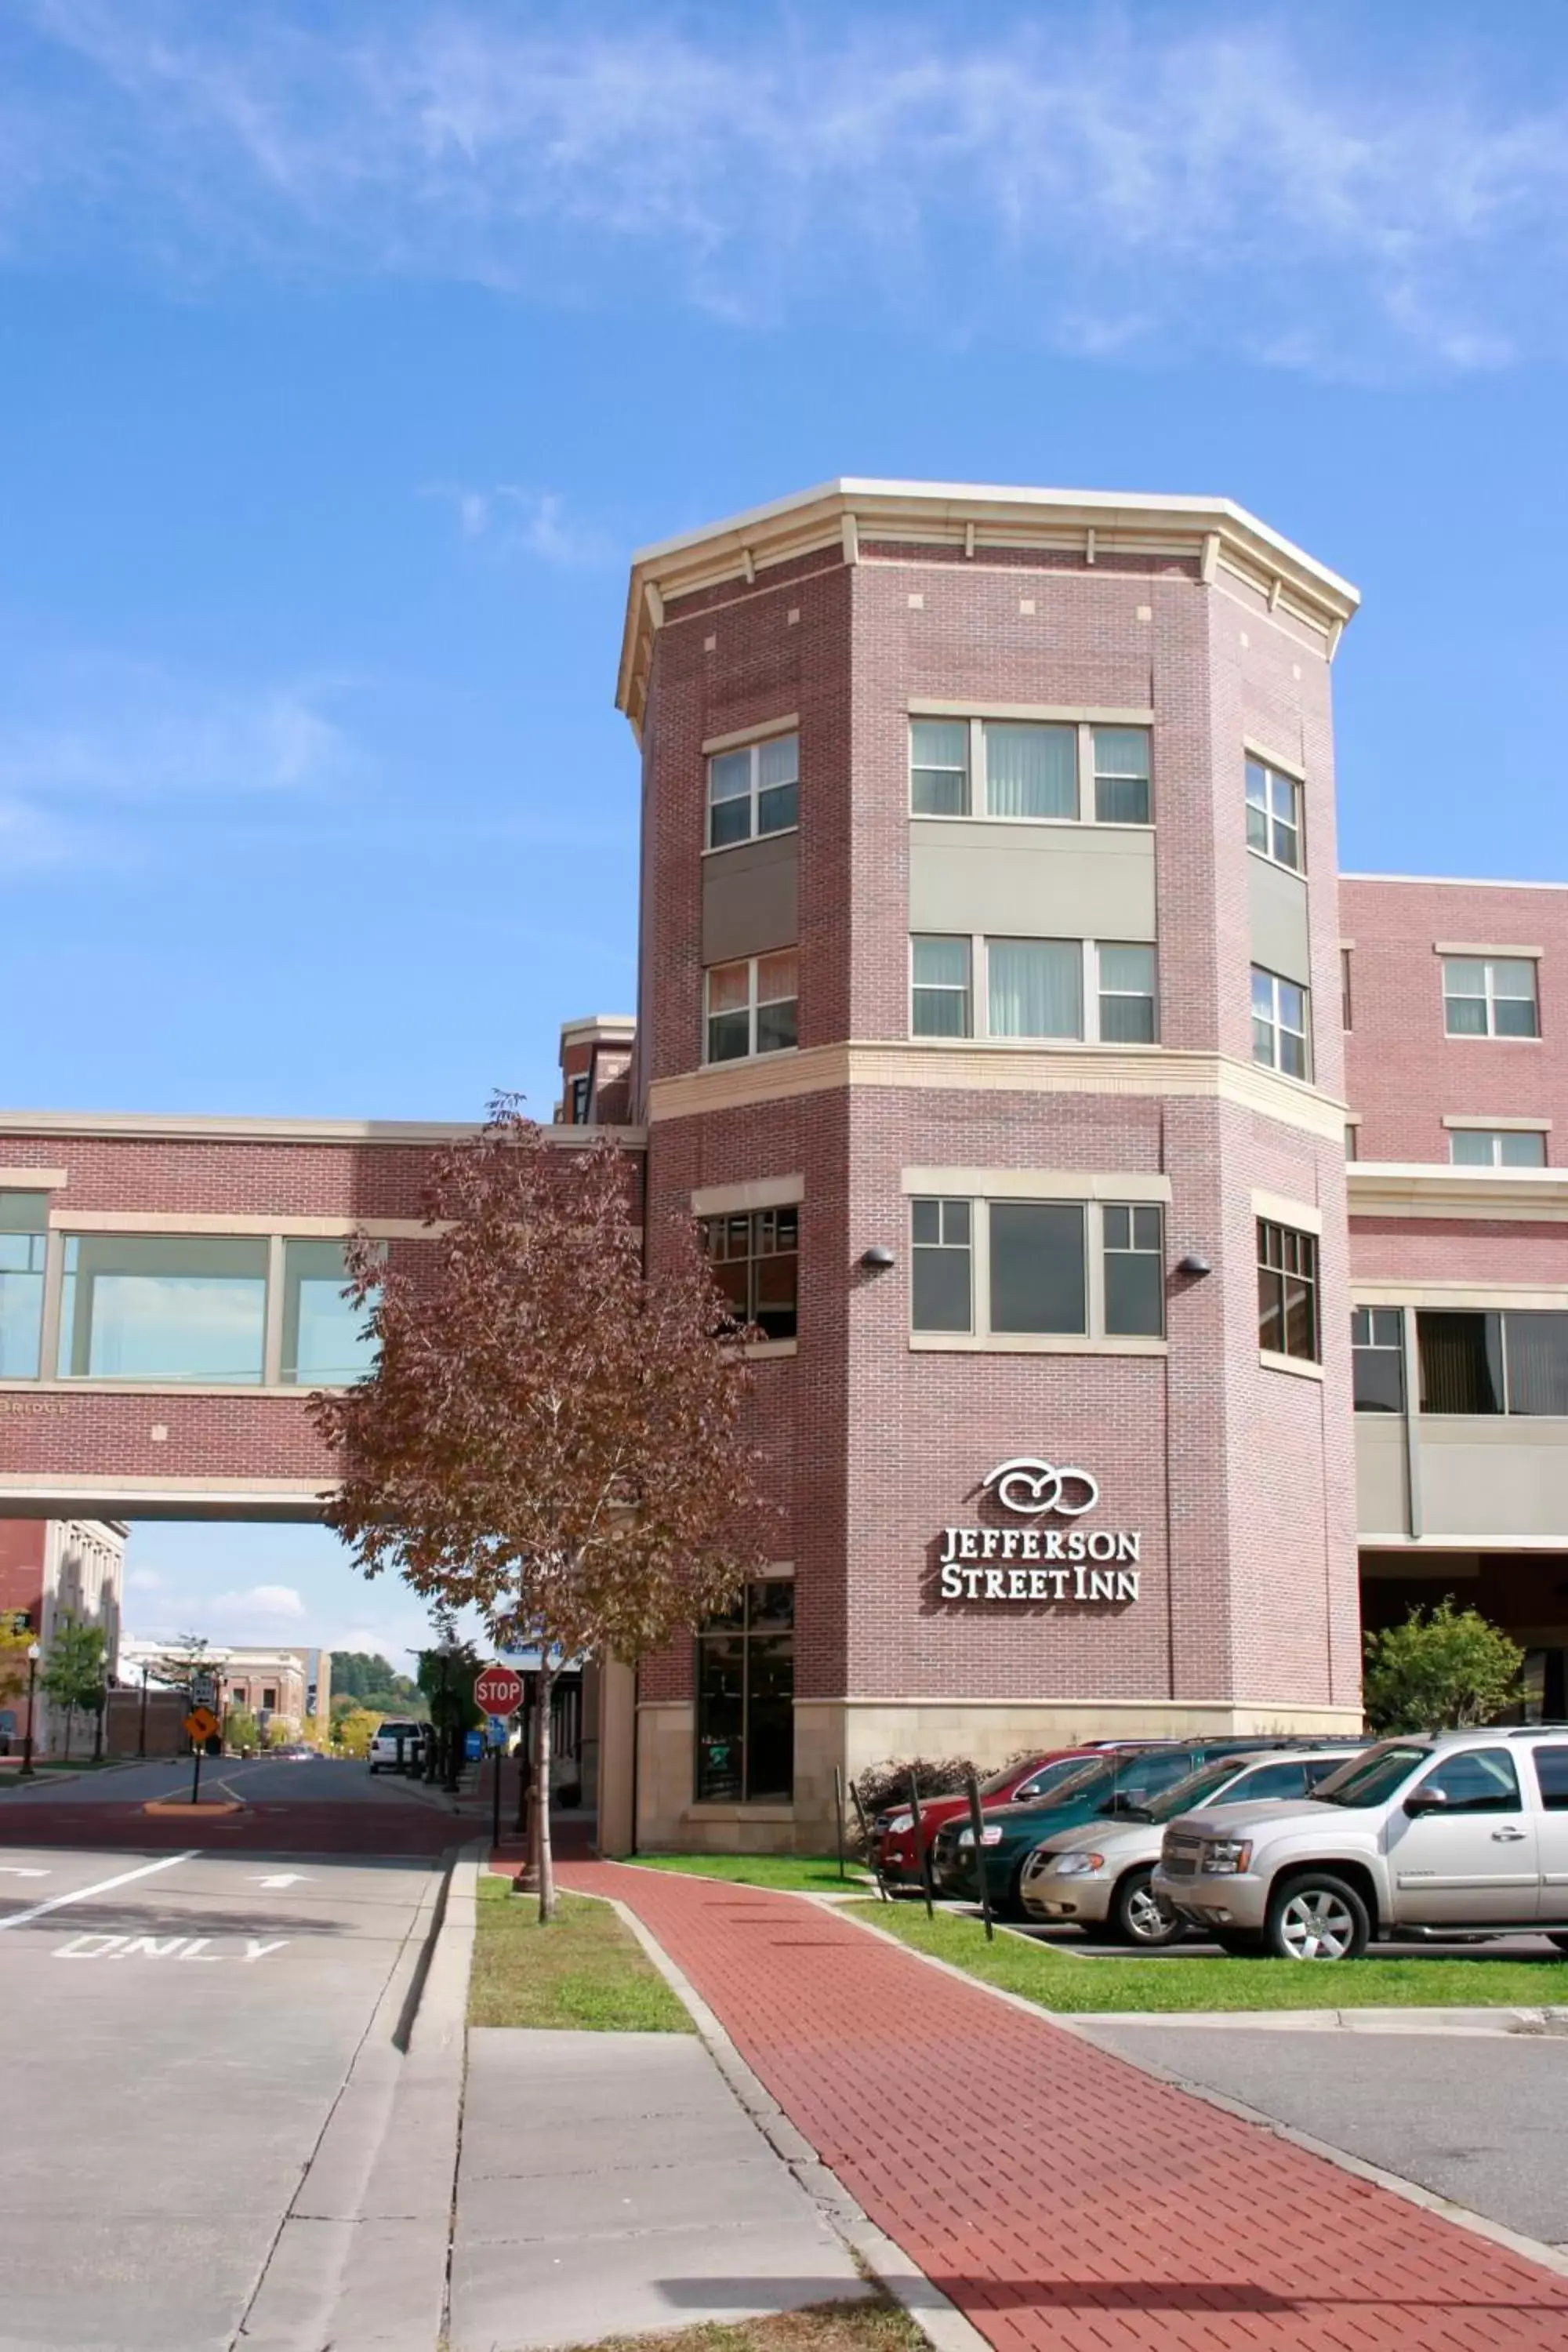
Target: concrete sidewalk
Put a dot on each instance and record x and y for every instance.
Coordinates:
(610, 2184)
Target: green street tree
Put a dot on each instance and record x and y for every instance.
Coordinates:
(549, 1435)
(185, 1658)
(72, 1673)
(240, 1729)
(1444, 1669)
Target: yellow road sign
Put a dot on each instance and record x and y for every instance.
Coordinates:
(201, 1723)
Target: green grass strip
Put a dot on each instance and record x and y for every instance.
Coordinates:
(1057, 1979)
(586, 1971)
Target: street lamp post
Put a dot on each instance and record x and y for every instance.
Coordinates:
(141, 1730)
(33, 1655)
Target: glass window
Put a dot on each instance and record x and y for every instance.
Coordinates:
(755, 1258)
(1352, 1147)
(1535, 1363)
(1552, 1771)
(754, 791)
(1345, 1006)
(1287, 1291)
(1126, 994)
(1274, 816)
(1030, 770)
(1280, 1032)
(1476, 1780)
(323, 1341)
(1034, 987)
(24, 1234)
(752, 1006)
(939, 767)
(1038, 1784)
(1369, 1780)
(1462, 1362)
(1120, 775)
(1477, 1147)
(1377, 1359)
(163, 1307)
(1489, 996)
(1134, 1271)
(745, 1699)
(1037, 1272)
(939, 973)
(941, 1281)
(1266, 1783)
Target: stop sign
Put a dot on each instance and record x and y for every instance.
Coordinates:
(497, 1691)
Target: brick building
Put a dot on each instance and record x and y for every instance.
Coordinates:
(1153, 1233)
(50, 1570)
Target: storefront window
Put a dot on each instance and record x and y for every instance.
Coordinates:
(24, 1222)
(164, 1307)
(745, 1699)
(323, 1342)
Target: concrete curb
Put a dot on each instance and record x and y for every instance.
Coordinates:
(939, 2319)
(361, 2261)
(1492, 2020)
(1530, 2250)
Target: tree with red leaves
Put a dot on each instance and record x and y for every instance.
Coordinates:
(550, 1435)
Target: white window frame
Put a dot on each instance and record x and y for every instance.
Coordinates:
(1491, 1033)
(977, 793)
(980, 1029)
(1273, 775)
(754, 1004)
(1093, 1339)
(754, 751)
(1279, 1028)
(1496, 1136)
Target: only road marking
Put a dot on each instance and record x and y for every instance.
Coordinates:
(14, 1870)
(163, 1948)
(104, 1886)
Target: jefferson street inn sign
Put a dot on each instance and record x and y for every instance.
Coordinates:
(1040, 1563)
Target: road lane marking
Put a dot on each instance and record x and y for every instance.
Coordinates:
(100, 1947)
(14, 1870)
(104, 1886)
(285, 1878)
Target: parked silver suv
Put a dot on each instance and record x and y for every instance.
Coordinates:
(1459, 1834)
(1098, 1877)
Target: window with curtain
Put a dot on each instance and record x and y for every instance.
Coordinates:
(1287, 1291)
(939, 972)
(1535, 1363)
(1127, 1015)
(1039, 1274)
(939, 767)
(24, 1237)
(1475, 1147)
(1031, 770)
(745, 1699)
(1489, 996)
(1120, 775)
(1377, 1359)
(1462, 1362)
(752, 1006)
(1034, 987)
(754, 791)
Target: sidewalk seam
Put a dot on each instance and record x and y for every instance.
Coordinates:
(934, 2313)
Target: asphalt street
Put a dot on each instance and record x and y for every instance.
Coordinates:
(174, 2029)
(325, 1806)
(1480, 2117)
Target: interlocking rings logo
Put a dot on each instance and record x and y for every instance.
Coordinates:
(1030, 1487)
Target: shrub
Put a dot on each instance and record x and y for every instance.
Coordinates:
(1445, 1669)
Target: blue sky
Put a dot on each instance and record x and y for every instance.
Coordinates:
(348, 346)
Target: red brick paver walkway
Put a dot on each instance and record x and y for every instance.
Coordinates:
(1066, 2201)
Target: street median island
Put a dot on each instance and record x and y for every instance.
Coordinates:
(183, 1809)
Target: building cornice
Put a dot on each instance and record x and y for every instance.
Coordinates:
(837, 516)
(1423, 1189)
(197, 1127)
(974, 1066)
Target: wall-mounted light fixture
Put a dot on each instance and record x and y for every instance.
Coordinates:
(1193, 1262)
(877, 1258)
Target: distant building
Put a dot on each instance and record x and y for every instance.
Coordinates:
(51, 1570)
(284, 1685)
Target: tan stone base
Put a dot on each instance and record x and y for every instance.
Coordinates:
(182, 1809)
(856, 1734)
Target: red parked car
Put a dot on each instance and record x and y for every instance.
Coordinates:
(1034, 1777)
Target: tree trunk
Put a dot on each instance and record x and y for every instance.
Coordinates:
(70, 1718)
(542, 1795)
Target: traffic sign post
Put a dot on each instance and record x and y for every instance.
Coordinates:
(200, 1725)
(498, 1692)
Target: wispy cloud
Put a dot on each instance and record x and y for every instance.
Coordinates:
(1114, 183)
(508, 520)
(91, 746)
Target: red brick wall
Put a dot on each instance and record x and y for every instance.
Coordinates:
(1403, 1073)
